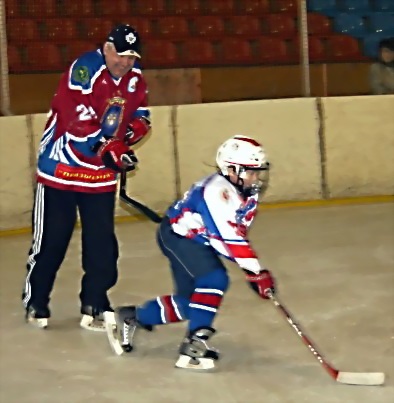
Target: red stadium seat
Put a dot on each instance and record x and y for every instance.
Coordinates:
(149, 7)
(208, 26)
(160, 53)
(285, 6)
(96, 29)
(272, 50)
(172, 27)
(43, 56)
(12, 8)
(61, 29)
(113, 8)
(244, 25)
(343, 48)
(198, 52)
(22, 30)
(78, 9)
(316, 49)
(221, 7)
(75, 49)
(42, 9)
(255, 7)
(318, 24)
(15, 63)
(236, 51)
(189, 7)
(142, 25)
(280, 25)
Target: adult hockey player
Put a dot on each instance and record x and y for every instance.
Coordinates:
(211, 220)
(98, 112)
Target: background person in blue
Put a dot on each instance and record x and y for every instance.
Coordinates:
(211, 220)
(98, 112)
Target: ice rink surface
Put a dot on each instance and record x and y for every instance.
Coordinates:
(335, 272)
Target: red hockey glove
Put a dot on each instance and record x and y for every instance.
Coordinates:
(261, 282)
(117, 156)
(136, 131)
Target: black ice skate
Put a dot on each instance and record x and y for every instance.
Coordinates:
(92, 319)
(121, 326)
(195, 353)
(37, 317)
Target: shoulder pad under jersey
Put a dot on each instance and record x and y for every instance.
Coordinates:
(85, 70)
(137, 68)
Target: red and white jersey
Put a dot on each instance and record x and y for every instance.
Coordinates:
(88, 105)
(213, 213)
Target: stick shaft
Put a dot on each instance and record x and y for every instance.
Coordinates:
(306, 340)
(145, 210)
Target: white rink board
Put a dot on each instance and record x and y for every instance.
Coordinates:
(288, 129)
(16, 183)
(359, 133)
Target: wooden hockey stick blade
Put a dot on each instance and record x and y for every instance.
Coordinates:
(361, 378)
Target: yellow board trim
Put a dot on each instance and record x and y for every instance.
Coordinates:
(276, 205)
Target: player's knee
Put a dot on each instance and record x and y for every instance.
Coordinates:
(217, 279)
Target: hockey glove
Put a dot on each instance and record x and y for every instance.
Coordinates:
(261, 283)
(137, 130)
(116, 155)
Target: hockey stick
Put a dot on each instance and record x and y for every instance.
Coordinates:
(153, 216)
(352, 378)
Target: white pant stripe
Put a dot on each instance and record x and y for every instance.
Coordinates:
(208, 291)
(38, 224)
(162, 312)
(203, 307)
(178, 314)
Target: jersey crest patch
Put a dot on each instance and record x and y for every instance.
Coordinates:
(81, 75)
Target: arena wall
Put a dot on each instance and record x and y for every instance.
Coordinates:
(319, 148)
(359, 145)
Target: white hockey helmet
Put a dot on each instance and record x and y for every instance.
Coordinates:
(241, 153)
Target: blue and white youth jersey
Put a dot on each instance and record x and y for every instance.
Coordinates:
(212, 212)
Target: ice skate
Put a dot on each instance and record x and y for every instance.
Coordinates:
(92, 319)
(195, 353)
(37, 317)
(121, 326)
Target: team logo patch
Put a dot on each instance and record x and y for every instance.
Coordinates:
(81, 75)
(130, 38)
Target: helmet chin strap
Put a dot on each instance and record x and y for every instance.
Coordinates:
(239, 185)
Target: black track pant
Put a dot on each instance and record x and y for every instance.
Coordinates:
(54, 216)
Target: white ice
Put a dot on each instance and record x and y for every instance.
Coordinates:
(335, 272)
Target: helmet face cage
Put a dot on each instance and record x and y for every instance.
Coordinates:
(260, 185)
(241, 154)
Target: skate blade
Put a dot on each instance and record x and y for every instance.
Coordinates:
(41, 323)
(112, 333)
(200, 364)
(88, 323)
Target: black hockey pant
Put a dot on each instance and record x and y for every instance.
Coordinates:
(53, 221)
